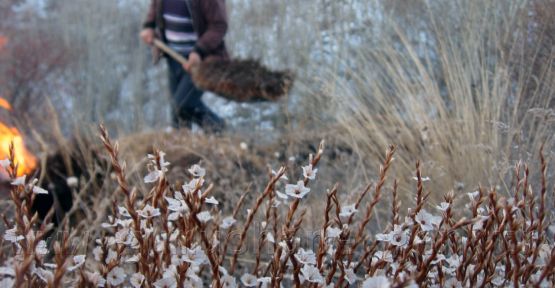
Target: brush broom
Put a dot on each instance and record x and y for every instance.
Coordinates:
(236, 80)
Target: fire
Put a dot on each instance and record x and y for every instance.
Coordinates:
(5, 104)
(26, 161)
(3, 41)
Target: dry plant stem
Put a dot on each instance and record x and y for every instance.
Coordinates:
(250, 217)
(438, 243)
(491, 239)
(513, 226)
(130, 198)
(370, 206)
(415, 228)
(395, 205)
(322, 247)
(468, 250)
(359, 200)
(292, 248)
(229, 231)
(62, 251)
(540, 226)
(287, 230)
(338, 256)
(263, 236)
(288, 233)
(369, 251)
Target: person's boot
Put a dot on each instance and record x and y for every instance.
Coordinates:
(211, 122)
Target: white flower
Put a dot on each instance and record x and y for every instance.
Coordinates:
(443, 206)
(179, 207)
(264, 281)
(5, 163)
(473, 195)
(8, 271)
(193, 283)
(243, 146)
(228, 281)
(96, 279)
(197, 171)
(195, 256)
(116, 276)
(427, 220)
(137, 280)
(132, 259)
(204, 216)
(275, 203)
(44, 274)
(333, 232)
(193, 185)
(480, 223)
(376, 282)
(454, 283)
(72, 181)
(281, 195)
(454, 261)
(350, 276)
(97, 253)
(149, 212)
(270, 238)
(398, 237)
(7, 282)
(227, 222)
(348, 210)
(50, 265)
(312, 274)
(112, 255)
(305, 256)
(166, 282)
(123, 211)
(19, 181)
(384, 256)
(11, 235)
(309, 173)
(38, 190)
(211, 200)
(162, 162)
(111, 223)
(424, 179)
(153, 176)
(41, 248)
(283, 177)
(78, 261)
(249, 280)
(297, 191)
(382, 237)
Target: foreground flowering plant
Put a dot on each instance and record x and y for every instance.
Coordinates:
(175, 236)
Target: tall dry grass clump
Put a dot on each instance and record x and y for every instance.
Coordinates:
(466, 85)
(176, 235)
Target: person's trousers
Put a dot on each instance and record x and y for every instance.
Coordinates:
(187, 105)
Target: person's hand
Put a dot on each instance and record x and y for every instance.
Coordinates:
(147, 35)
(194, 59)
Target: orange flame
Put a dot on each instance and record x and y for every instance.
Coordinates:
(25, 160)
(5, 104)
(3, 41)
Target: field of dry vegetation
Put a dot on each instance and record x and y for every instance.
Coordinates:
(415, 150)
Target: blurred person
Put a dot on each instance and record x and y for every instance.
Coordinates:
(196, 30)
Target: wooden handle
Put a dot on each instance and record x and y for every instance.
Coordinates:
(176, 56)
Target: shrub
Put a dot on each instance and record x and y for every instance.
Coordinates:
(174, 236)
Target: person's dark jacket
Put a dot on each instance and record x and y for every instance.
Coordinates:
(209, 21)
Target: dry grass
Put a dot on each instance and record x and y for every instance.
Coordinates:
(458, 93)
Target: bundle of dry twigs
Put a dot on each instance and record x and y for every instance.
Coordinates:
(237, 80)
